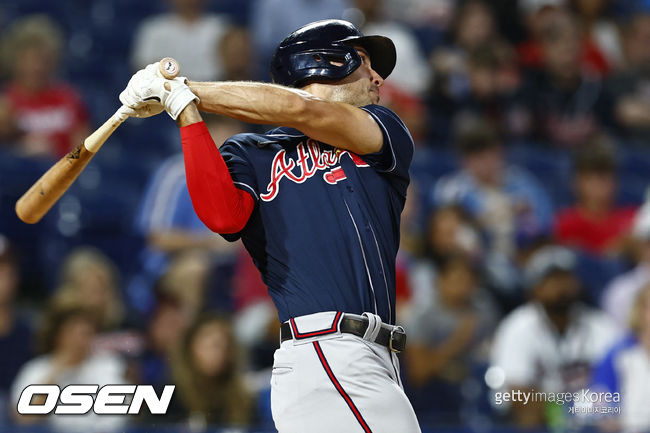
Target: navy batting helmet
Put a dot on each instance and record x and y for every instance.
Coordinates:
(307, 54)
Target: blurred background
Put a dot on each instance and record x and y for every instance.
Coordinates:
(525, 251)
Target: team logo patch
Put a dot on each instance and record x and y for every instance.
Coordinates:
(311, 159)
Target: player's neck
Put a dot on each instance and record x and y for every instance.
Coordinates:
(334, 93)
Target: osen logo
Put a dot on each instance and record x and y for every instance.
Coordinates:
(107, 400)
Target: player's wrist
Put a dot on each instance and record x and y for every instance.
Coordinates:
(189, 116)
(180, 97)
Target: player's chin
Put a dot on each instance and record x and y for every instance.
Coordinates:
(373, 96)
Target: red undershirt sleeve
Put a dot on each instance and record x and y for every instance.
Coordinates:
(219, 204)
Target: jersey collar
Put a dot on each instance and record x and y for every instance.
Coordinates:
(285, 132)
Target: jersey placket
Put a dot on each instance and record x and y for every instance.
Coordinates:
(369, 250)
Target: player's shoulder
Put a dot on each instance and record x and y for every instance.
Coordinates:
(244, 141)
(382, 112)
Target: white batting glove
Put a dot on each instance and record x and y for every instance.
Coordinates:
(143, 94)
(148, 93)
(145, 110)
(179, 97)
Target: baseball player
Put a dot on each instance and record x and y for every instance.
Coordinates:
(317, 204)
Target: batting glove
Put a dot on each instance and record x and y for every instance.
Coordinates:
(179, 97)
(140, 95)
(148, 93)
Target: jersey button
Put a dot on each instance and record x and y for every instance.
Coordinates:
(350, 188)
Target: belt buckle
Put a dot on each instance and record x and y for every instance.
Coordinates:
(390, 341)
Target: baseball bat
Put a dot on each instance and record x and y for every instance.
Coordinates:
(42, 195)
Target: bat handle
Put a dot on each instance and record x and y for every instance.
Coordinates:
(122, 113)
(168, 68)
(95, 140)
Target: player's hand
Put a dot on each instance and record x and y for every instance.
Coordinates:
(143, 93)
(180, 96)
(148, 93)
(145, 110)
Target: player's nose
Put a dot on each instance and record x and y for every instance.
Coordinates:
(376, 78)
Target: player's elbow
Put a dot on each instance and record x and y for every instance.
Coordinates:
(226, 229)
(221, 222)
(228, 218)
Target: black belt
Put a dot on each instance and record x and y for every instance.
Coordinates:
(392, 337)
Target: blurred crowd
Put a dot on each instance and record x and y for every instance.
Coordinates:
(525, 248)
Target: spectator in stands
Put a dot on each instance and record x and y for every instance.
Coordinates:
(39, 115)
(474, 26)
(163, 332)
(89, 278)
(235, 52)
(411, 72)
(619, 295)
(188, 33)
(550, 343)
(506, 201)
(595, 224)
(449, 232)
(15, 331)
(540, 16)
(451, 87)
(493, 80)
(600, 33)
(628, 89)
(66, 340)
(186, 279)
(446, 339)
(206, 371)
(563, 100)
(625, 371)
(168, 223)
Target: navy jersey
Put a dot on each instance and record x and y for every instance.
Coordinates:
(325, 229)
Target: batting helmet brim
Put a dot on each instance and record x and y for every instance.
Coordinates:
(381, 50)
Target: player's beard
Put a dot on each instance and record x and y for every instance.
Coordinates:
(355, 93)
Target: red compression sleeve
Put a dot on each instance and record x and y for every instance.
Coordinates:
(221, 206)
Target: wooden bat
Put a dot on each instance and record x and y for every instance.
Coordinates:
(42, 195)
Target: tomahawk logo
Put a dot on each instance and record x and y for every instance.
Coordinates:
(80, 399)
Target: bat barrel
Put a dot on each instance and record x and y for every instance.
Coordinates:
(42, 195)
